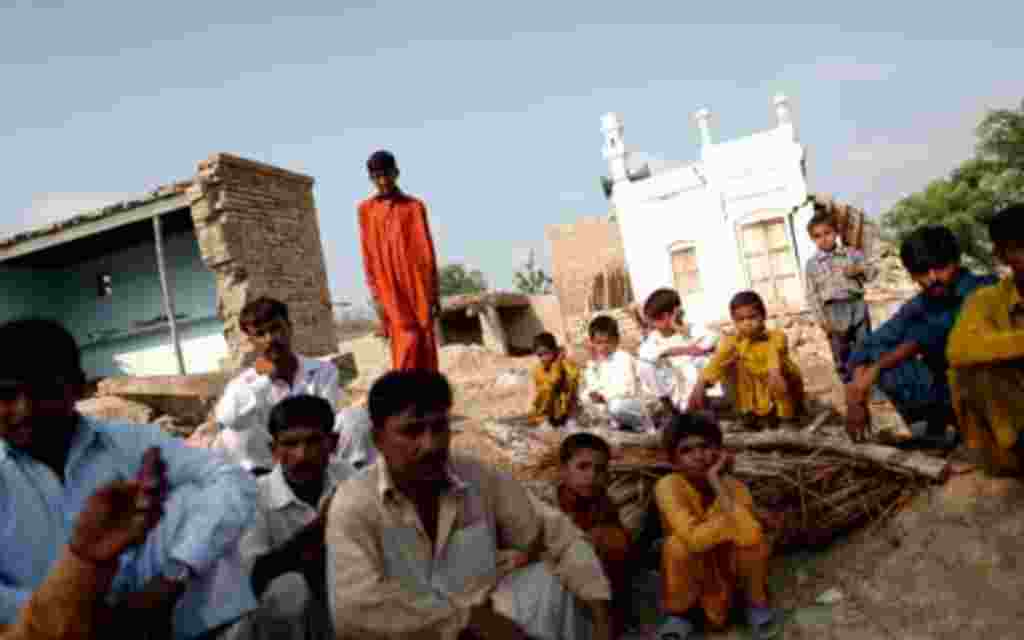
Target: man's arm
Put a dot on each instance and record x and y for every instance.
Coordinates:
(426, 239)
(975, 340)
(218, 514)
(368, 242)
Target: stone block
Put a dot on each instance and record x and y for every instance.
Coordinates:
(188, 398)
(116, 409)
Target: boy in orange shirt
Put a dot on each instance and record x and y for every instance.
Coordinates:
(582, 495)
(714, 543)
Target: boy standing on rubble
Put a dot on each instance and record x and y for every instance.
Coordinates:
(835, 278)
(986, 355)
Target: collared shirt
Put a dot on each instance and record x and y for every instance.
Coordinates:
(386, 580)
(990, 328)
(244, 409)
(38, 511)
(280, 514)
(613, 377)
(924, 320)
(826, 279)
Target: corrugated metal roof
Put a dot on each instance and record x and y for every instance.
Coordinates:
(165, 191)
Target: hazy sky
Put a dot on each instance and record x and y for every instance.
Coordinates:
(493, 109)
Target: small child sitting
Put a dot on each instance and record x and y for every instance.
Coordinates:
(986, 356)
(609, 379)
(835, 279)
(582, 495)
(672, 354)
(556, 380)
(769, 387)
(714, 542)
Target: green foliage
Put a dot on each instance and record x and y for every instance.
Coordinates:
(964, 201)
(531, 279)
(456, 279)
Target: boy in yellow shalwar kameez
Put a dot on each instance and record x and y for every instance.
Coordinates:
(986, 356)
(556, 382)
(714, 544)
(769, 387)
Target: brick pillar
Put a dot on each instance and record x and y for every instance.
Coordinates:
(258, 232)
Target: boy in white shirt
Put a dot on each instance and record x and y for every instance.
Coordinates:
(244, 410)
(672, 355)
(609, 381)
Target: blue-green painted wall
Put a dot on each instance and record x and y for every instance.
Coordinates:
(112, 343)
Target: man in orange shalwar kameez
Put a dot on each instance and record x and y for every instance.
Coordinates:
(401, 266)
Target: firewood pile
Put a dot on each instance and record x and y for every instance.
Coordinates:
(810, 488)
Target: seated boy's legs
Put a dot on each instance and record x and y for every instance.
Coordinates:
(991, 413)
(850, 320)
(213, 599)
(630, 413)
(709, 579)
(536, 600)
(917, 395)
(287, 609)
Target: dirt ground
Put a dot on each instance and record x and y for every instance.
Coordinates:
(945, 567)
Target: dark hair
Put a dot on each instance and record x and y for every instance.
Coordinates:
(821, 217)
(662, 301)
(578, 442)
(261, 311)
(604, 324)
(747, 299)
(305, 410)
(545, 340)
(928, 248)
(1007, 226)
(39, 350)
(396, 391)
(382, 161)
(680, 425)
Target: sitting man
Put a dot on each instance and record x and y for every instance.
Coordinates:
(986, 353)
(906, 356)
(187, 579)
(279, 372)
(117, 516)
(285, 548)
(714, 544)
(413, 540)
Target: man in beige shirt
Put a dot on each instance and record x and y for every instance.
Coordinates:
(413, 541)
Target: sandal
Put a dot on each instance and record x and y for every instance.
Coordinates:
(675, 628)
(764, 622)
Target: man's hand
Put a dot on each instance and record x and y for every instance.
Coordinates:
(863, 379)
(117, 516)
(827, 328)
(382, 331)
(263, 366)
(597, 398)
(777, 383)
(854, 270)
(698, 399)
(722, 465)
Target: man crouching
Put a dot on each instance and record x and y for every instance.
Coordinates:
(412, 542)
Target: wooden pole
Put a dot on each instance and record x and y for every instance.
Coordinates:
(168, 294)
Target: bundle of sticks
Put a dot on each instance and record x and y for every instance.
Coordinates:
(808, 489)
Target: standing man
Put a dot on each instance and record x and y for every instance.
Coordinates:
(401, 266)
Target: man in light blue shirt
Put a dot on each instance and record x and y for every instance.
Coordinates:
(187, 579)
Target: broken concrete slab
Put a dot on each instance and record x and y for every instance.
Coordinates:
(188, 398)
(115, 409)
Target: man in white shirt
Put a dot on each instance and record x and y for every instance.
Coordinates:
(672, 354)
(609, 379)
(284, 549)
(244, 409)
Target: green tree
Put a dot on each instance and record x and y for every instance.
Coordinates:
(531, 279)
(980, 186)
(456, 279)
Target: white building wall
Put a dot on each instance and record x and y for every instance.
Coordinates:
(706, 203)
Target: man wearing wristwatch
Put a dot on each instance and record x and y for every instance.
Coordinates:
(186, 581)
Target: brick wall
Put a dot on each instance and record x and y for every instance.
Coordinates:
(629, 331)
(580, 252)
(258, 232)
